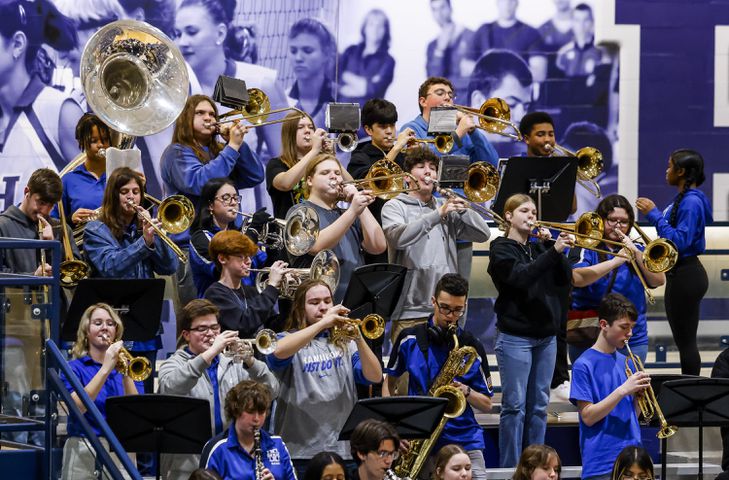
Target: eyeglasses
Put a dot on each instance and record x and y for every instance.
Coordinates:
(615, 222)
(384, 453)
(445, 310)
(228, 198)
(630, 476)
(206, 328)
(442, 92)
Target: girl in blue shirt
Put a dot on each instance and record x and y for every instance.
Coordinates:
(683, 222)
(95, 356)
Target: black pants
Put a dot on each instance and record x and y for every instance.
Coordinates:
(561, 370)
(686, 285)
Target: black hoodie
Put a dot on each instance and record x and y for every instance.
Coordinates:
(533, 282)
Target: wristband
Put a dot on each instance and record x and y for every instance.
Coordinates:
(468, 392)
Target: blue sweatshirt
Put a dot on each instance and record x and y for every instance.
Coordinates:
(694, 213)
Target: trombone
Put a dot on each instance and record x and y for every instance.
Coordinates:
(265, 342)
(588, 231)
(172, 224)
(256, 111)
(589, 165)
(494, 116)
(372, 326)
(325, 267)
(647, 401)
(386, 180)
(481, 185)
(71, 270)
(660, 255)
(443, 142)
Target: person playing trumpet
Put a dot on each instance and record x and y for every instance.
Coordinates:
(123, 243)
(242, 308)
(317, 376)
(95, 356)
(199, 369)
(607, 399)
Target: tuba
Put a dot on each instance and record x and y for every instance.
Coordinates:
(459, 361)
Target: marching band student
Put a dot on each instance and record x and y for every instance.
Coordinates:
(245, 450)
(538, 462)
(217, 211)
(633, 462)
(326, 466)
(317, 376)
(683, 222)
(605, 397)
(416, 225)
(242, 308)
(452, 463)
(533, 281)
(345, 232)
(595, 274)
(422, 352)
(375, 447)
(199, 369)
(122, 244)
(95, 356)
(301, 142)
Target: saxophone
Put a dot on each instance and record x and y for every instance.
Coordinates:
(257, 455)
(459, 361)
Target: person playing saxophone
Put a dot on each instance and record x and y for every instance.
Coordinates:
(422, 352)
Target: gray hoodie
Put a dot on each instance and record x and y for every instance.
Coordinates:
(417, 238)
(186, 374)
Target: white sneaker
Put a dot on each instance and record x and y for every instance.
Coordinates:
(561, 393)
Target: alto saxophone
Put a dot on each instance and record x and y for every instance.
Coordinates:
(257, 455)
(458, 363)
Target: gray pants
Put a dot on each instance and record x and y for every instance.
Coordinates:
(79, 460)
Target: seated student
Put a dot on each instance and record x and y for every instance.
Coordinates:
(538, 462)
(242, 308)
(204, 474)
(452, 463)
(375, 447)
(95, 356)
(317, 374)
(634, 463)
(198, 369)
(238, 452)
(326, 466)
(605, 396)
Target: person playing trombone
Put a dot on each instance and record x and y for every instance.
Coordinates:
(242, 307)
(200, 369)
(604, 394)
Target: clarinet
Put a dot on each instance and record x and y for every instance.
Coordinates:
(257, 454)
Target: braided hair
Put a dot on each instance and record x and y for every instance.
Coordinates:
(692, 163)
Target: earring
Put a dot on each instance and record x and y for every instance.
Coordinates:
(218, 42)
(15, 55)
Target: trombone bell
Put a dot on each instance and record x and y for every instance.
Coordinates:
(256, 112)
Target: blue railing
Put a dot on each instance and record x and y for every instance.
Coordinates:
(56, 364)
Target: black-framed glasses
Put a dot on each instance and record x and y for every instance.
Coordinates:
(446, 310)
(384, 453)
(229, 198)
(615, 222)
(630, 476)
(442, 92)
(206, 328)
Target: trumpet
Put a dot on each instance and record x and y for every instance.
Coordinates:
(647, 401)
(265, 342)
(589, 165)
(443, 142)
(494, 116)
(256, 111)
(325, 267)
(136, 368)
(160, 231)
(372, 326)
(386, 180)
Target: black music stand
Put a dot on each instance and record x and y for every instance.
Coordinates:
(160, 423)
(412, 417)
(696, 402)
(550, 181)
(138, 303)
(374, 288)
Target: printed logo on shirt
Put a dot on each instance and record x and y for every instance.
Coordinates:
(274, 458)
(322, 363)
(488, 382)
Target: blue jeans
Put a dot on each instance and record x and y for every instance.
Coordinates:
(525, 366)
(641, 351)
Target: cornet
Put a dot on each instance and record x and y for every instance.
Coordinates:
(265, 342)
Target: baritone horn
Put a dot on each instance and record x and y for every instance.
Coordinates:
(494, 116)
(300, 230)
(647, 401)
(589, 165)
(265, 342)
(325, 267)
(256, 112)
(386, 180)
(372, 327)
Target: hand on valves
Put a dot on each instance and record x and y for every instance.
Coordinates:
(276, 275)
(453, 204)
